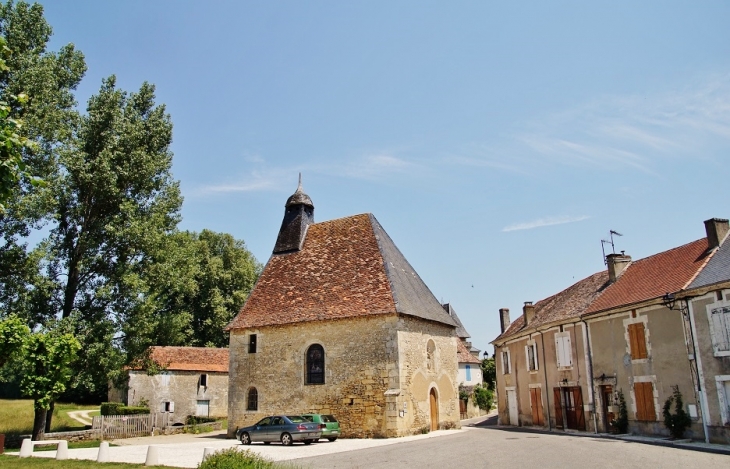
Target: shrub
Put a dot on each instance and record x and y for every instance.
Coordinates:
(195, 420)
(231, 458)
(678, 422)
(117, 408)
(483, 397)
(620, 424)
(110, 408)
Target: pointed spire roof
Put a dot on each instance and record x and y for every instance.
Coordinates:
(299, 197)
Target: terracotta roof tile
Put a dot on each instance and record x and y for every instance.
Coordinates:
(653, 276)
(464, 355)
(191, 358)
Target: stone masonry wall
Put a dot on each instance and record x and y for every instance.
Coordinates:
(183, 389)
(360, 363)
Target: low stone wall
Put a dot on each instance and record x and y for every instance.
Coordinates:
(198, 428)
(14, 441)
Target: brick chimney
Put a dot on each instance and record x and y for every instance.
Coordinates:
(616, 265)
(504, 319)
(528, 311)
(717, 229)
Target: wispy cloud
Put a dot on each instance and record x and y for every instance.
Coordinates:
(540, 222)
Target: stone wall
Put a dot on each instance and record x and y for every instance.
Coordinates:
(183, 389)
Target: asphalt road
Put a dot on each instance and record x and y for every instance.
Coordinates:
(481, 447)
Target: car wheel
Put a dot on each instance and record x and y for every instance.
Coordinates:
(307, 442)
(245, 438)
(332, 438)
(286, 439)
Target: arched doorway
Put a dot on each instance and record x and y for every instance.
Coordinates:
(433, 398)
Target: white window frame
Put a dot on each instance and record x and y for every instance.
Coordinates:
(719, 348)
(532, 360)
(563, 350)
(506, 362)
(165, 378)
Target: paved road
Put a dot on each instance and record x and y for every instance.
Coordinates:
(490, 447)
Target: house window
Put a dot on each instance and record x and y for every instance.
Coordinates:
(644, 394)
(720, 328)
(315, 364)
(505, 362)
(165, 379)
(563, 350)
(168, 406)
(252, 343)
(637, 341)
(253, 399)
(204, 380)
(468, 372)
(531, 354)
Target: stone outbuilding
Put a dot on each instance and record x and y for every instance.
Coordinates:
(191, 381)
(340, 323)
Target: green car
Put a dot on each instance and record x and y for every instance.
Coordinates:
(327, 423)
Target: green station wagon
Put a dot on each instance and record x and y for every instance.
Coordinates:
(327, 423)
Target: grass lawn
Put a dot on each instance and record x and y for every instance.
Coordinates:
(16, 416)
(14, 462)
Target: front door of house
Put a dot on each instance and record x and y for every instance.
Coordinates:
(606, 404)
(202, 409)
(512, 405)
(434, 410)
(573, 404)
(536, 404)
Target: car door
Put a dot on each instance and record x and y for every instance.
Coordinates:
(261, 430)
(276, 428)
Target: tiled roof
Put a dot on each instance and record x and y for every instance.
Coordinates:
(653, 276)
(347, 267)
(717, 269)
(568, 304)
(191, 358)
(464, 355)
(461, 331)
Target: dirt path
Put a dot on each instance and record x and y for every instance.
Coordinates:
(81, 416)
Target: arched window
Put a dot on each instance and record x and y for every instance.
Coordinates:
(253, 399)
(315, 364)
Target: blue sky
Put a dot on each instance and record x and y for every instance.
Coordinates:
(496, 142)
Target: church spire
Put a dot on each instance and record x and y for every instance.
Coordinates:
(299, 214)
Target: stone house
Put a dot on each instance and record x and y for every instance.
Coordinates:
(340, 323)
(613, 331)
(470, 371)
(193, 381)
(705, 303)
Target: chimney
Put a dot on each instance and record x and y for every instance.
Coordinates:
(716, 229)
(528, 310)
(504, 318)
(617, 263)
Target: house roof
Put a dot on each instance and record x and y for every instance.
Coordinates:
(717, 269)
(568, 304)
(191, 358)
(653, 276)
(461, 331)
(346, 268)
(464, 355)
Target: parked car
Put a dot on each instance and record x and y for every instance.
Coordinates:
(284, 428)
(327, 423)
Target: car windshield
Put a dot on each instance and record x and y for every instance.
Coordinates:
(329, 419)
(297, 419)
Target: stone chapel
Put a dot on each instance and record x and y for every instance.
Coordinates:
(340, 323)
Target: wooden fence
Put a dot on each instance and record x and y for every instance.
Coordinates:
(128, 426)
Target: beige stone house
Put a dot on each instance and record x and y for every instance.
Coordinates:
(193, 381)
(613, 331)
(340, 323)
(470, 371)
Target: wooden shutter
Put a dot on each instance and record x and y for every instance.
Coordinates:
(579, 414)
(563, 350)
(637, 341)
(536, 404)
(644, 394)
(558, 408)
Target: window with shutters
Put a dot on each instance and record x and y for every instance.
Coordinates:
(563, 350)
(468, 372)
(505, 362)
(719, 317)
(644, 395)
(531, 355)
(637, 341)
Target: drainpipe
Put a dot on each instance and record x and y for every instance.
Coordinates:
(587, 339)
(700, 375)
(544, 370)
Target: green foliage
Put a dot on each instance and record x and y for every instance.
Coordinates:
(463, 393)
(679, 421)
(231, 458)
(14, 336)
(483, 397)
(489, 372)
(620, 424)
(195, 420)
(118, 408)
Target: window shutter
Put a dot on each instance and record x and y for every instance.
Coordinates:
(721, 329)
(527, 357)
(172, 407)
(637, 341)
(558, 351)
(534, 356)
(568, 350)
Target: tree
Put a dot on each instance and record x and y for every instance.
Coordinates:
(489, 372)
(13, 338)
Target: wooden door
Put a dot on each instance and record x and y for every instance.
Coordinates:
(434, 410)
(536, 404)
(606, 402)
(573, 403)
(557, 401)
(580, 416)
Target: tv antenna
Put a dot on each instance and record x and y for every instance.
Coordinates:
(604, 242)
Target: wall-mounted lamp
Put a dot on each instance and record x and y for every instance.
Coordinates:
(669, 300)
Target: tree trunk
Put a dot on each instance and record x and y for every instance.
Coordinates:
(39, 422)
(49, 417)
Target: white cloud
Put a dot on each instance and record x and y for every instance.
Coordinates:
(540, 222)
